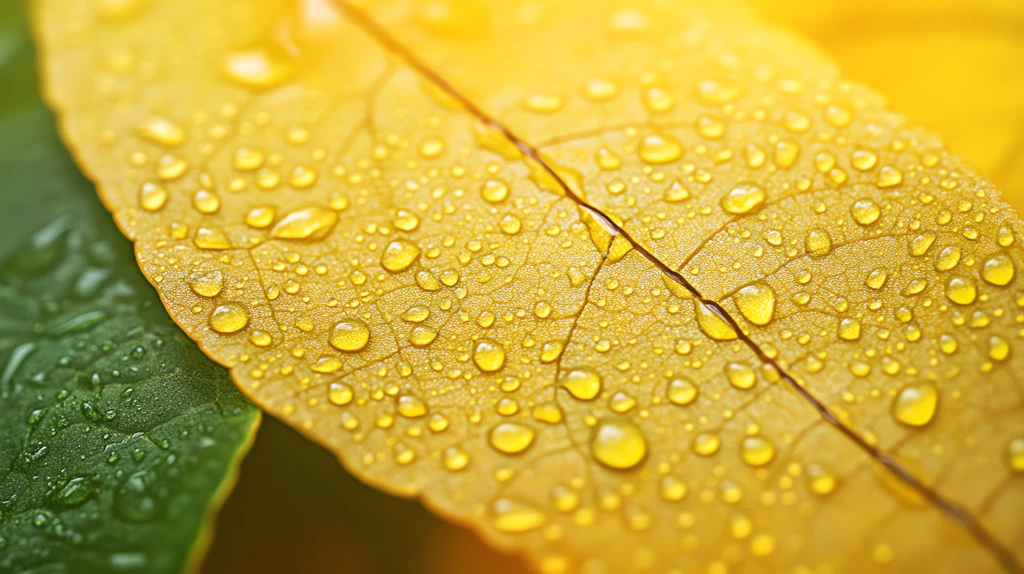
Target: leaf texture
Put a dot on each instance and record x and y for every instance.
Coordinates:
(914, 50)
(637, 286)
(118, 438)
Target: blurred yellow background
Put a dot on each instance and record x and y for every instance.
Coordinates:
(950, 65)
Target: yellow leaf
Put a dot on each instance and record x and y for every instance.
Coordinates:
(631, 285)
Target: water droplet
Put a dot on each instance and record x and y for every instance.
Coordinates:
(717, 93)
(152, 197)
(706, 444)
(206, 284)
(756, 302)
(211, 238)
(915, 405)
(961, 291)
(410, 406)
(511, 438)
(599, 90)
(339, 394)
(489, 355)
(849, 329)
(455, 458)
(431, 147)
(206, 201)
(865, 212)
(740, 375)
(681, 391)
(551, 350)
(494, 190)
(713, 325)
(583, 383)
(248, 159)
(543, 103)
(229, 318)
(998, 348)
(998, 269)
(405, 220)
(660, 149)
(876, 279)
(607, 160)
(920, 244)
(823, 482)
(308, 222)
(671, 488)
(889, 177)
(676, 192)
(757, 451)
(743, 198)
(162, 131)
(863, 159)
(260, 217)
(516, 517)
(818, 242)
(422, 336)
(259, 69)
(947, 259)
(618, 443)
(399, 255)
(658, 100)
(1015, 454)
(349, 335)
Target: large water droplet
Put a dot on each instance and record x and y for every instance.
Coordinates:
(916, 404)
(618, 443)
(511, 438)
(583, 383)
(349, 335)
(743, 198)
(229, 318)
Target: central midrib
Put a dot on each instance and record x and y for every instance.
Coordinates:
(951, 509)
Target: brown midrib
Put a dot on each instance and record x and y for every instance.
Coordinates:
(948, 507)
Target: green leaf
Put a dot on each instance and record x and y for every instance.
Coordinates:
(118, 438)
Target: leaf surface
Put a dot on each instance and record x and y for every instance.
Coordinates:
(119, 438)
(934, 60)
(631, 285)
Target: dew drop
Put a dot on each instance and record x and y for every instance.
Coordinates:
(743, 198)
(152, 197)
(822, 480)
(849, 329)
(258, 69)
(422, 336)
(865, 212)
(671, 488)
(349, 335)
(711, 324)
(162, 131)
(658, 100)
(599, 90)
(455, 458)
(211, 238)
(489, 355)
(229, 318)
(583, 383)
(961, 291)
(681, 391)
(756, 302)
(998, 269)
(676, 192)
(260, 217)
(889, 177)
(206, 284)
(405, 220)
(399, 255)
(706, 444)
(305, 223)
(248, 159)
(660, 149)
(740, 375)
(410, 406)
(618, 443)
(757, 451)
(339, 394)
(916, 404)
(863, 159)
(1015, 454)
(515, 517)
(818, 242)
(206, 201)
(494, 190)
(947, 259)
(511, 438)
